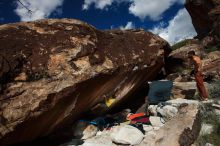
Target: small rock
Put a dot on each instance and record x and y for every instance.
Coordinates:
(104, 132)
(184, 90)
(168, 111)
(153, 109)
(175, 77)
(99, 133)
(209, 101)
(89, 132)
(84, 130)
(156, 121)
(178, 102)
(218, 101)
(206, 129)
(209, 144)
(148, 128)
(103, 140)
(126, 135)
(216, 106)
(217, 112)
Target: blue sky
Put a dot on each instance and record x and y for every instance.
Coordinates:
(167, 18)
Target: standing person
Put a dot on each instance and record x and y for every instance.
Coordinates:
(198, 75)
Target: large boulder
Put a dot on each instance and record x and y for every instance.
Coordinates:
(52, 71)
(205, 17)
(182, 130)
(178, 65)
(126, 135)
(211, 65)
(182, 53)
(178, 59)
(185, 90)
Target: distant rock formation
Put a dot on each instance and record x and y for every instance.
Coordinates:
(205, 17)
(178, 59)
(211, 65)
(52, 71)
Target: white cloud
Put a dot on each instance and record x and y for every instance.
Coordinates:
(150, 8)
(139, 8)
(40, 9)
(99, 4)
(179, 28)
(129, 25)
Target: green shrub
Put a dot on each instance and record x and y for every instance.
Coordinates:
(214, 89)
(211, 49)
(184, 43)
(179, 69)
(179, 44)
(208, 116)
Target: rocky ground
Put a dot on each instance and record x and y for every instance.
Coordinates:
(177, 121)
(179, 124)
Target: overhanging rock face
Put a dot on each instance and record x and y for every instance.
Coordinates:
(198, 10)
(205, 16)
(52, 71)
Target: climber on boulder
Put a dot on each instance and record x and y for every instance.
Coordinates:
(198, 75)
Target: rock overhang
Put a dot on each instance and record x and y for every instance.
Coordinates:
(54, 70)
